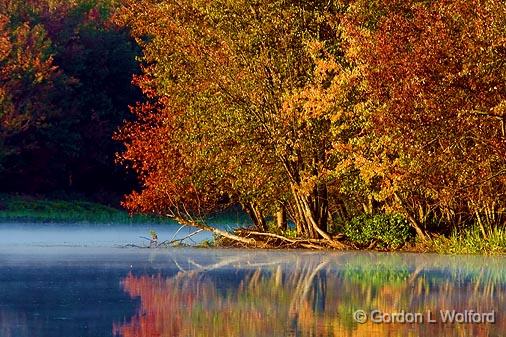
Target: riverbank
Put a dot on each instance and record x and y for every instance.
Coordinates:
(24, 208)
(470, 241)
(466, 242)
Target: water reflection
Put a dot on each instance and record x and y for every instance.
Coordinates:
(315, 295)
(12, 324)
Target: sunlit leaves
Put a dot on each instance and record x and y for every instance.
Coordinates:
(384, 105)
(240, 101)
(437, 71)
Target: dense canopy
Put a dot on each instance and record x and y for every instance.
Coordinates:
(65, 87)
(321, 111)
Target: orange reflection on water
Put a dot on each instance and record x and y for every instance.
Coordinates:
(310, 299)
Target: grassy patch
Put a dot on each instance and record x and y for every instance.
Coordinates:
(16, 208)
(471, 241)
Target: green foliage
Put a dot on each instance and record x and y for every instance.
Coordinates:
(290, 233)
(386, 230)
(376, 275)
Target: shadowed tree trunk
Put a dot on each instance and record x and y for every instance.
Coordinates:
(256, 216)
(312, 212)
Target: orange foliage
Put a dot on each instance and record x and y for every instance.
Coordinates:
(436, 73)
(325, 111)
(27, 76)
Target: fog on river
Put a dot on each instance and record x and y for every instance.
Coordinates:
(92, 235)
(80, 281)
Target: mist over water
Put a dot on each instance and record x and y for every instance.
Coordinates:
(95, 235)
(76, 281)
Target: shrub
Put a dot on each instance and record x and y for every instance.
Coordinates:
(385, 230)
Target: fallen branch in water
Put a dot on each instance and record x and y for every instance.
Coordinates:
(131, 245)
(246, 238)
(218, 232)
(173, 241)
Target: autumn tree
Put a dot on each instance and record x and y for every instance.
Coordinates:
(72, 149)
(232, 114)
(28, 77)
(435, 76)
(321, 109)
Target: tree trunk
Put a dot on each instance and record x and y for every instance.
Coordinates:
(281, 219)
(294, 215)
(256, 216)
(412, 220)
(312, 210)
(304, 227)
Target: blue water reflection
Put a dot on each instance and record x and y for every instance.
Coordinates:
(48, 292)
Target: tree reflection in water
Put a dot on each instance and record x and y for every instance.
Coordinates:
(13, 324)
(304, 296)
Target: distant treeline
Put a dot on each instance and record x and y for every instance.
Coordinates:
(65, 87)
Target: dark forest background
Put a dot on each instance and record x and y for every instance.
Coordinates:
(65, 87)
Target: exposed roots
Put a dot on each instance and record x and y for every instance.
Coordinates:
(248, 238)
(275, 241)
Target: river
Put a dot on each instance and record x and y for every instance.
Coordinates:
(80, 282)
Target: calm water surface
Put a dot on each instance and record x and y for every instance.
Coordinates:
(99, 291)
(95, 235)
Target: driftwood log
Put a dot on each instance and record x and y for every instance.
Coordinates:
(245, 237)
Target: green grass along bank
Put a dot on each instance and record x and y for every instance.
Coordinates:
(23, 208)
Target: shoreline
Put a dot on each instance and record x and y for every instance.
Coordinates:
(24, 209)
